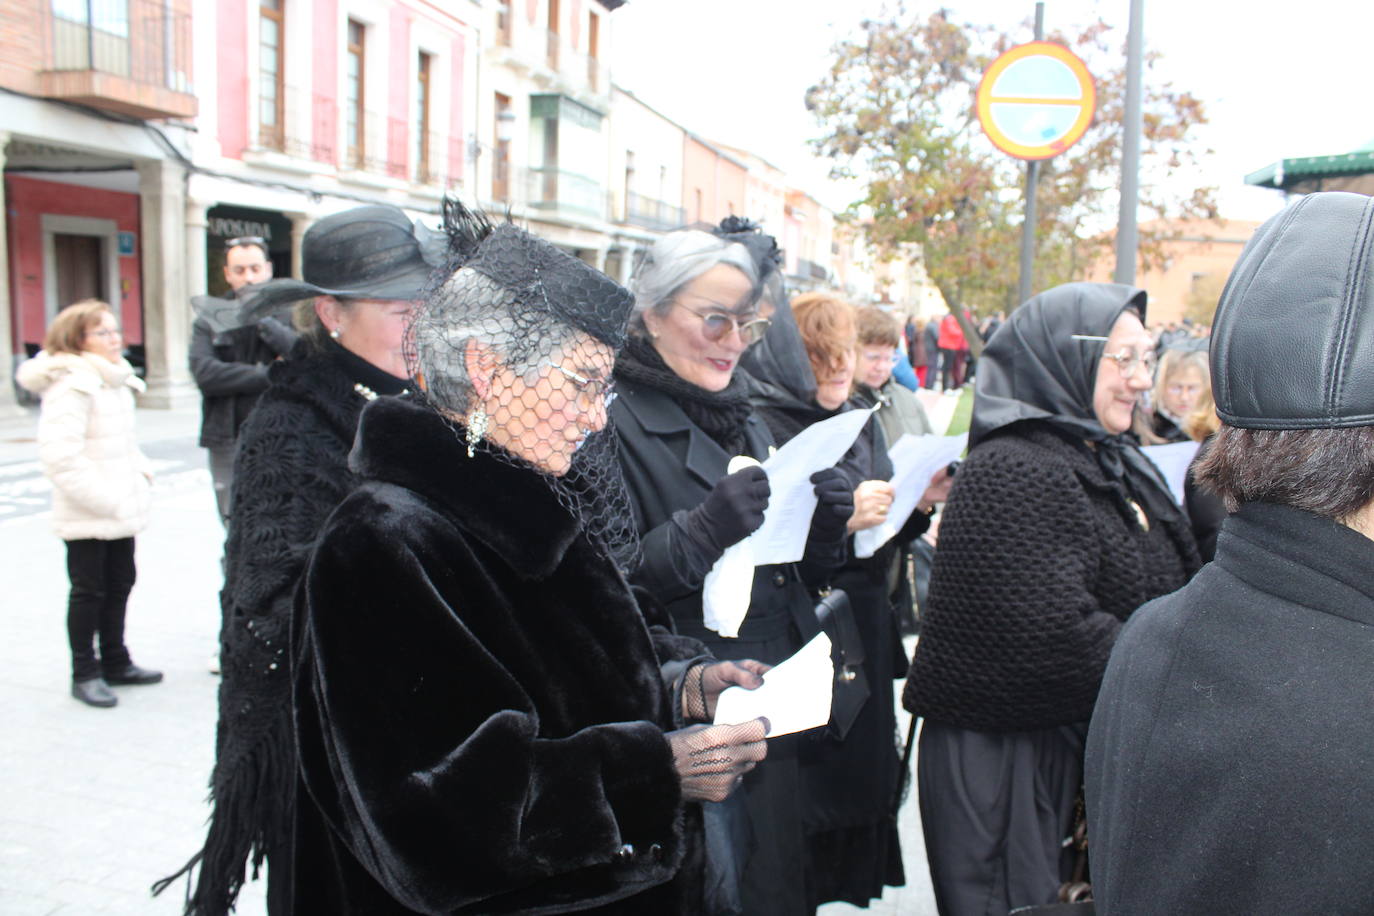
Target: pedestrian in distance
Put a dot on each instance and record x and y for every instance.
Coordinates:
(1227, 761)
(101, 486)
(364, 268)
(1056, 530)
(229, 359)
(931, 336)
(486, 722)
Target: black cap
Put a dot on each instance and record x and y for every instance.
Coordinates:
(1293, 337)
(372, 252)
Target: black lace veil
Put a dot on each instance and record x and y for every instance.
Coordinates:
(514, 342)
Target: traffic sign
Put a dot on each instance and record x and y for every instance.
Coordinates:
(1036, 100)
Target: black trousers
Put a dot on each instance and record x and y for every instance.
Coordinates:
(102, 575)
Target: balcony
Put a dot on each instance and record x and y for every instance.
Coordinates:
(565, 192)
(652, 214)
(128, 56)
(811, 270)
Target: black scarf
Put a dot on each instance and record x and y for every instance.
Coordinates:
(1033, 369)
(719, 414)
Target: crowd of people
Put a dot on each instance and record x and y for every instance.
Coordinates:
(474, 492)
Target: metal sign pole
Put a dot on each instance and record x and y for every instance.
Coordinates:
(1032, 176)
(1127, 238)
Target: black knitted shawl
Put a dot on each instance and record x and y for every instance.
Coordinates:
(290, 471)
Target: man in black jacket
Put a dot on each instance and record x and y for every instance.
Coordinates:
(230, 365)
(1228, 757)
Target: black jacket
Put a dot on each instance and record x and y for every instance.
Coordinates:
(1228, 763)
(1041, 558)
(479, 704)
(670, 465)
(230, 368)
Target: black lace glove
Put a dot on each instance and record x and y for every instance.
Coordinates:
(712, 759)
(834, 505)
(278, 337)
(731, 512)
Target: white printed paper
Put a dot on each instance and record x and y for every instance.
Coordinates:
(1173, 461)
(915, 459)
(786, 522)
(795, 695)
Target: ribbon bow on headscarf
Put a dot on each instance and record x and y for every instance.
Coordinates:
(1038, 367)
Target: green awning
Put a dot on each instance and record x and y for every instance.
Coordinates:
(1287, 172)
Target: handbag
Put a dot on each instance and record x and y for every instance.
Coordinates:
(850, 690)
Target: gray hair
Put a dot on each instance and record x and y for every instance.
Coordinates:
(677, 259)
(472, 306)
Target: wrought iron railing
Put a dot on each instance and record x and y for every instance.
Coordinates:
(144, 41)
(652, 214)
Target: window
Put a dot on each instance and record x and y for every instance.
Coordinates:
(422, 172)
(354, 120)
(553, 34)
(271, 75)
(500, 176)
(593, 51)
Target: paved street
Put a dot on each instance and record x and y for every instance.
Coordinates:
(96, 804)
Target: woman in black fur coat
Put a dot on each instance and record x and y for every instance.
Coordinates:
(290, 471)
(1057, 529)
(486, 722)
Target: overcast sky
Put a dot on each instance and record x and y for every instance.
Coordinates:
(1278, 81)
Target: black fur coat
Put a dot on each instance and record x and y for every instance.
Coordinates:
(480, 707)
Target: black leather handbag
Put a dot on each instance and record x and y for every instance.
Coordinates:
(851, 690)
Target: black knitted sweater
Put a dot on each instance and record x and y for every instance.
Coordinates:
(1041, 557)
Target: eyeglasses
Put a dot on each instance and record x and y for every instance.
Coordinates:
(245, 240)
(1183, 389)
(718, 325)
(590, 391)
(1128, 360)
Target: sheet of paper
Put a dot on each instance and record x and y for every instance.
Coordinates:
(787, 520)
(1173, 460)
(795, 695)
(914, 460)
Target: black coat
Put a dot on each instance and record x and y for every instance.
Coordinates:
(230, 368)
(479, 706)
(1041, 558)
(1229, 759)
(669, 466)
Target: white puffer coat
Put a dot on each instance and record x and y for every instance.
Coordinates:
(86, 443)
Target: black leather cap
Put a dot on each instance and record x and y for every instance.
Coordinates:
(1293, 338)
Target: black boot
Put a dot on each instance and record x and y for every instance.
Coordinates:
(131, 674)
(94, 692)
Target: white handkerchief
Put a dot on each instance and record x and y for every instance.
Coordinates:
(795, 695)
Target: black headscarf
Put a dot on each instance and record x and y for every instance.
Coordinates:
(1034, 369)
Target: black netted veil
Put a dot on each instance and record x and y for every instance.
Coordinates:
(552, 324)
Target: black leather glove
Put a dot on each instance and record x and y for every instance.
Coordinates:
(732, 511)
(834, 504)
(278, 337)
